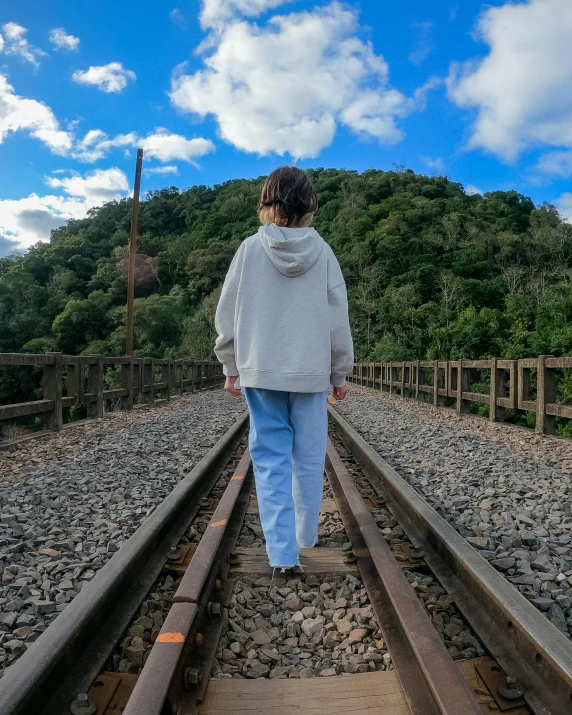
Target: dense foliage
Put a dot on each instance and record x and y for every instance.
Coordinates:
(431, 271)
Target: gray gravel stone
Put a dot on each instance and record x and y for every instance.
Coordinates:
(298, 646)
(508, 492)
(70, 501)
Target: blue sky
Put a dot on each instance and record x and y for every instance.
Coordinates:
(220, 89)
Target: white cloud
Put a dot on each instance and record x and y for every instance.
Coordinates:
(177, 17)
(164, 146)
(564, 206)
(62, 41)
(108, 78)
(521, 89)
(436, 163)
(217, 12)
(26, 221)
(286, 87)
(556, 162)
(167, 169)
(28, 115)
(471, 189)
(96, 144)
(98, 187)
(161, 145)
(424, 44)
(15, 43)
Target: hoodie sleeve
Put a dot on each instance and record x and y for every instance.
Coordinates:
(340, 335)
(224, 321)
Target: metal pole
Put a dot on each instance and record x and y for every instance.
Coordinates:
(132, 253)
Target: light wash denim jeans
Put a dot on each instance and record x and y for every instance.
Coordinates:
(288, 435)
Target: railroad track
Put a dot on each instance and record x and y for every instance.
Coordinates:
(527, 668)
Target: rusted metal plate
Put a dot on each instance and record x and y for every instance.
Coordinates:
(495, 678)
(213, 502)
(431, 682)
(181, 564)
(179, 555)
(111, 691)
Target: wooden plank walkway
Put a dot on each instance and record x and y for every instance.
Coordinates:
(363, 694)
(316, 561)
(367, 693)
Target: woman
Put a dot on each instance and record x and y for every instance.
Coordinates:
(283, 328)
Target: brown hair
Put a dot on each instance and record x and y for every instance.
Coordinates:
(288, 198)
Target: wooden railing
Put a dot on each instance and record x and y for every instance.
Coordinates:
(73, 381)
(509, 385)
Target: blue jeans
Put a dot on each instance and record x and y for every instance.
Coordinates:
(288, 435)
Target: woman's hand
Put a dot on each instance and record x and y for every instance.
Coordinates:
(229, 386)
(340, 392)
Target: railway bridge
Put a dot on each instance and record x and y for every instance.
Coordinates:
(134, 576)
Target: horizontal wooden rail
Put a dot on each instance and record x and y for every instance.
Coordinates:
(509, 385)
(73, 381)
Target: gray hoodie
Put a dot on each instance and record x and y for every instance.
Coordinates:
(282, 319)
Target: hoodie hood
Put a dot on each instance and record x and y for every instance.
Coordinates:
(293, 251)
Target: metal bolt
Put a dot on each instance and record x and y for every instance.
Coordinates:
(173, 553)
(213, 609)
(82, 705)
(233, 559)
(512, 689)
(218, 584)
(204, 502)
(350, 557)
(199, 640)
(191, 678)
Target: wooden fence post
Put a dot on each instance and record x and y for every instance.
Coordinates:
(182, 373)
(497, 389)
(52, 390)
(403, 380)
(463, 385)
(416, 373)
(95, 386)
(127, 383)
(137, 378)
(149, 380)
(73, 380)
(545, 395)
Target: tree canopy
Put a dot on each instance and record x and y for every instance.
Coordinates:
(432, 272)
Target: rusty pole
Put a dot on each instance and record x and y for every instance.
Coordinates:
(132, 253)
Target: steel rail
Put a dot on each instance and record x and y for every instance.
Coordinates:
(431, 681)
(71, 652)
(526, 645)
(164, 677)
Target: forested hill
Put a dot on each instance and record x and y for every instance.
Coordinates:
(431, 271)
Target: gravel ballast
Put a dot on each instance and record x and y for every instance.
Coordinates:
(506, 491)
(69, 501)
(300, 628)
